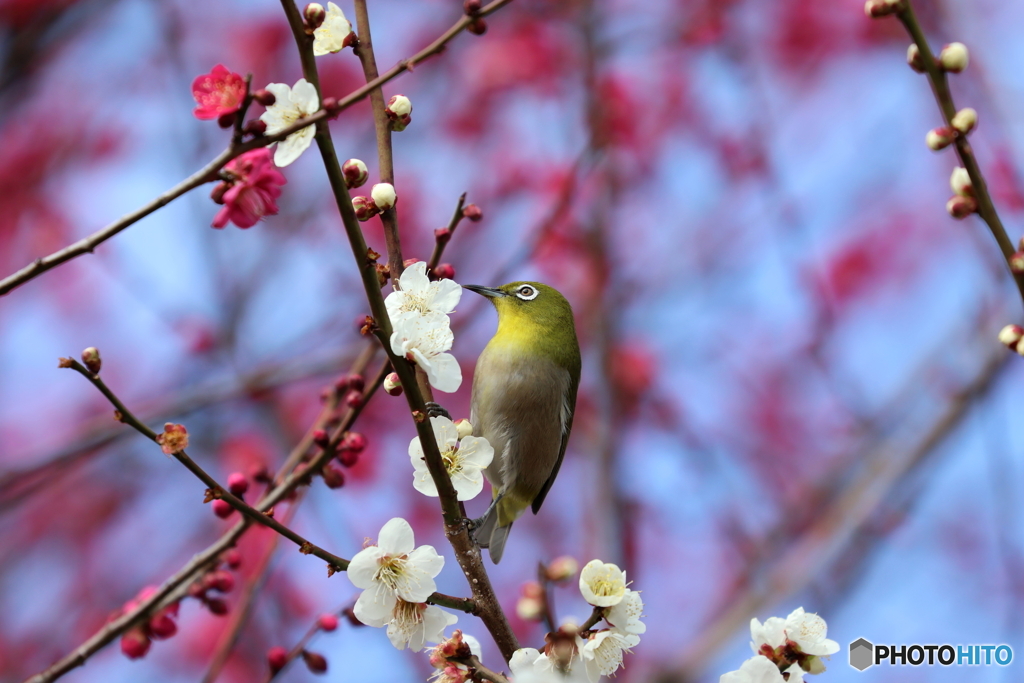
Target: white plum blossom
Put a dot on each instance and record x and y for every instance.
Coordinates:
(760, 669)
(383, 195)
(463, 460)
(426, 340)
(330, 36)
(413, 624)
(290, 105)
(625, 616)
(418, 296)
(602, 652)
(391, 570)
(807, 630)
(602, 584)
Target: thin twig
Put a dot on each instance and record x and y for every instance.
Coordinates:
(439, 245)
(478, 671)
(940, 88)
(466, 551)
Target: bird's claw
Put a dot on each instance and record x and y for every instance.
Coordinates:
(436, 410)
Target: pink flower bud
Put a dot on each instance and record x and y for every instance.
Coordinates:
(355, 381)
(354, 442)
(220, 580)
(960, 182)
(222, 508)
(1016, 262)
(233, 558)
(563, 568)
(393, 385)
(471, 7)
(442, 235)
(965, 120)
(328, 622)
(330, 104)
(264, 97)
(365, 208)
(217, 606)
(355, 173)
(464, 428)
(384, 196)
(880, 8)
(473, 213)
(939, 138)
(91, 359)
(314, 14)
(334, 478)
(477, 27)
(444, 271)
(961, 207)
(1010, 335)
(162, 627)
(255, 127)
(217, 193)
(237, 483)
(321, 438)
(314, 662)
(227, 120)
(135, 643)
(954, 57)
(277, 657)
(532, 589)
(174, 438)
(529, 609)
(914, 58)
(354, 399)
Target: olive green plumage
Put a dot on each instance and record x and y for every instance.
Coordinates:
(524, 396)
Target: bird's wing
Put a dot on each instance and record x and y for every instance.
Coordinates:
(568, 409)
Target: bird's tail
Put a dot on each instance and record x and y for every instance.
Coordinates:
(490, 534)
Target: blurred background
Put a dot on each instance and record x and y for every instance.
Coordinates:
(792, 390)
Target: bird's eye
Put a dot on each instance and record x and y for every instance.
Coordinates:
(527, 293)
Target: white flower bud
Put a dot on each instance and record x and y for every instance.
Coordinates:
(939, 138)
(1010, 335)
(961, 207)
(954, 57)
(384, 196)
(960, 182)
(965, 120)
(392, 384)
(529, 609)
(1016, 262)
(464, 427)
(399, 105)
(914, 58)
(314, 14)
(355, 173)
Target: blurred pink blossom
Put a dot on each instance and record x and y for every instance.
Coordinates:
(254, 191)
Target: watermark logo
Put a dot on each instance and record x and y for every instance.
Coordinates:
(864, 654)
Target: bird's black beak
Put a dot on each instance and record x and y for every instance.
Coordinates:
(489, 292)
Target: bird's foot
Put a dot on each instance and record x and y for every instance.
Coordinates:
(435, 410)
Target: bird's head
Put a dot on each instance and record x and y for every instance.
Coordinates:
(528, 304)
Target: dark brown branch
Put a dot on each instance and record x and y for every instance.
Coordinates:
(940, 88)
(480, 672)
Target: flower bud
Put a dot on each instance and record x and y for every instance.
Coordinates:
(442, 235)
(563, 568)
(529, 609)
(954, 57)
(334, 478)
(264, 97)
(222, 508)
(471, 7)
(473, 213)
(960, 182)
(961, 207)
(1016, 262)
(91, 359)
(314, 14)
(1019, 348)
(327, 622)
(220, 580)
(227, 120)
(277, 657)
(444, 271)
(533, 589)
(384, 196)
(353, 442)
(939, 138)
(355, 173)
(365, 208)
(354, 399)
(162, 626)
(135, 643)
(393, 385)
(399, 106)
(174, 438)
(233, 558)
(464, 428)
(1010, 335)
(321, 438)
(876, 9)
(217, 193)
(314, 662)
(217, 606)
(914, 58)
(477, 27)
(237, 483)
(965, 120)
(254, 127)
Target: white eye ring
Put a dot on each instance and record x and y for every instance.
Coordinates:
(527, 293)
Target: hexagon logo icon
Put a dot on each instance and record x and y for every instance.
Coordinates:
(862, 654)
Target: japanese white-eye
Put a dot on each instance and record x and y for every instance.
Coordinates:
(524, 397)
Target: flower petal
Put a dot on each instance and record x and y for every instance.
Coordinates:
(363, 567)
(396, 538)
(304, 97)
(374, 607)
(444, 373)
(292, 147)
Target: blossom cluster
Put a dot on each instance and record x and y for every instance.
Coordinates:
(397, 578)
(421, 329)
(785, 649)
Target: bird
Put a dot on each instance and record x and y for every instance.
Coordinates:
(523, 402)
